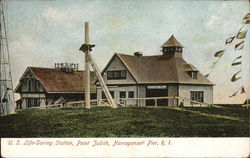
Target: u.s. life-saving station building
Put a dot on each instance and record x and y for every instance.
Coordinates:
(168, 74)
(126, 76)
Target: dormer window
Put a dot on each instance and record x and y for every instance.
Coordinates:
(192, 74)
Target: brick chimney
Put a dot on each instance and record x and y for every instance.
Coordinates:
(138, 54)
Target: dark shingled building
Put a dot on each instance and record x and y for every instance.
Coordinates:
(39, 86)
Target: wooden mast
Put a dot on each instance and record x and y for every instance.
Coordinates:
(87, 48)
(87, 71)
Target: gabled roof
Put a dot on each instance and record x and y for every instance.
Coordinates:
(160, 69)
(171, 42)
(57, 81)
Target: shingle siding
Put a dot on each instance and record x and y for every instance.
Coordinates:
(184, 91)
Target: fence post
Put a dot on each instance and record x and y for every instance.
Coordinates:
(155, 102)
(174, 101)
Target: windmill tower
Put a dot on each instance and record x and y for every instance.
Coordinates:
(7, 102)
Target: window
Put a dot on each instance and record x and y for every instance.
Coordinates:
(197, 96)
(120, 74)
(29, 85)
(192, 74)
(37, 86)
(131, 94)
(122, 94)
(110, 74)
(33, 102)
(103, 95)
(111, 92)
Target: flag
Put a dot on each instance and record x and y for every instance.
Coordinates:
(214, 63)
(247, 16)
(236, 63)
(241, 34)
(239, 46)
(229, 40)
(219, 53)
(234, 94)
(245, 21)
(237, 58)
(242, 90)
(234, 78)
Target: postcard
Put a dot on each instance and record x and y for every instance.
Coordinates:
(106, 78)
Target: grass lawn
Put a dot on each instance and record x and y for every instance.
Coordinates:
(128, 122)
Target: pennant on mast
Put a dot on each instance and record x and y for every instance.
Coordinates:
(235, 78)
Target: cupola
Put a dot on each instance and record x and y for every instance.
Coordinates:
(171, 46)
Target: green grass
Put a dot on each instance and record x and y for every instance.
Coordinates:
(127, 122)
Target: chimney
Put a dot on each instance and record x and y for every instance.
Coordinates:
(138, 54)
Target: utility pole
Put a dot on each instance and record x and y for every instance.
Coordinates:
(87, 48)
(87, 71)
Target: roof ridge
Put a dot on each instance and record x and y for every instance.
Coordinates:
(137, 57)
(34, 67)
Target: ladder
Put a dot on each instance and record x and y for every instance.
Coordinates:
(103, 85)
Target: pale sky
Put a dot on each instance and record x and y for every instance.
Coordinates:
(41, 33)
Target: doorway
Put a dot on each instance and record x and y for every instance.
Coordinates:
(157, 92)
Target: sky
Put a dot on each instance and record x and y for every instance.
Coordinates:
(44, 32)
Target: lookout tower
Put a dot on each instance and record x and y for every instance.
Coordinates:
(171, 46)
(7, 105)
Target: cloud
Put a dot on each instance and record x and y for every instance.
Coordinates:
(213, 22)
(52, 14)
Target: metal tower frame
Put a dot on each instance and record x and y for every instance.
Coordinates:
(7, 102)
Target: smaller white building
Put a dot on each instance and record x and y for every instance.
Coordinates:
(138, 76)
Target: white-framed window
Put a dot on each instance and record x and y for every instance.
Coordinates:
(117, 74)
(112, 93)
(197, 96)
(131, 94)
(192, 74)
(122, 94)
(33, 102)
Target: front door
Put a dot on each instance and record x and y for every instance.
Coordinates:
(157, 91)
